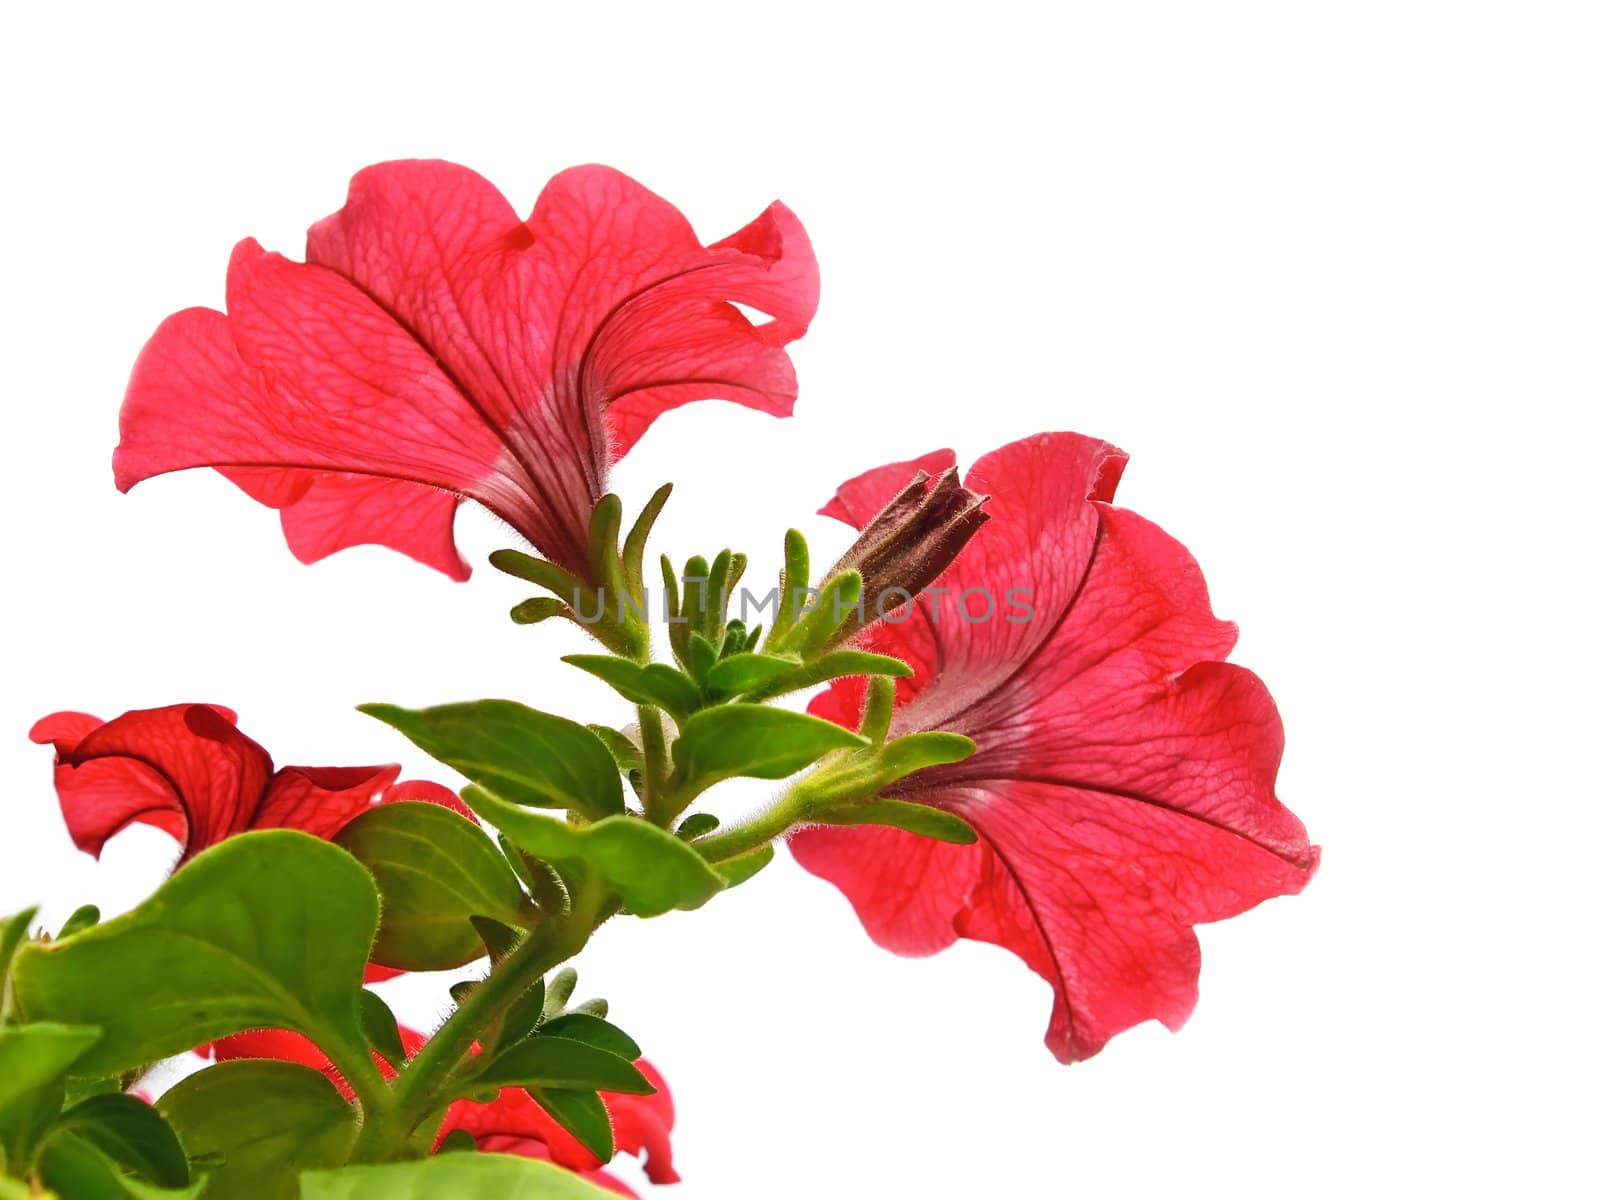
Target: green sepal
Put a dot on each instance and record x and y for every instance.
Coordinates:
(649, 869)
(526, 756)
(794, 585)
(547, 575)
(877, 712)
(540, 608)
(749, 740)
(435, 871)
(558, 990)
(455, 1177)
(547, 1061)
(836, 602)
(655, 683)
(382, 1030)
(702, 656)
(920, 819)
(633, 546)
(265, 1121)
(268, 929)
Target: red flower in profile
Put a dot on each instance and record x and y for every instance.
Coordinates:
(512, 1123)
(1123, 787)
(187, 770)
(434, 346)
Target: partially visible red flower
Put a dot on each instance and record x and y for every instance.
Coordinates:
(513, 1123)
(436, 346)
(1123, 787)
(187, 770)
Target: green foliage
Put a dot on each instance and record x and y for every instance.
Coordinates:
(743, 739)
(655, 683)
(34, 1063)
(13, 930)
(455, 1177)
(549, 1061)
(735, 871)
(435, 871)
(649, 870)
(267, 929)
(265, 1122)
(130, 1133)
(381, 1029)
(527, 757)
(582, 1114)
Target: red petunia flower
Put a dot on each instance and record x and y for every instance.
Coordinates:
(1122, 789)
(187, 770)
(512, 1123)
(435, 347)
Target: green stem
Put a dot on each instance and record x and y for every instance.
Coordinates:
(653, 736)
(760, 829)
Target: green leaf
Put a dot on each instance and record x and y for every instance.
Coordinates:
(435, 870)
(702, 656)
(697, 825)
(746, 739)
(913, 818)
(651, 871)
(454, 1177)
(83, 918)
(267, 1121)
(656, 683)
(528, 757)
(131, 1134)
(559, 1062)
(736, 870)
(13, 930)
(266, 930)
(536, 570)
(79, 1170)
(627, 756)
(592, 1031)
(583, 1115)
(558, 990)
(633, 546)
(34, 1062)
(382, 1030)
(739, 673)
(537, 609)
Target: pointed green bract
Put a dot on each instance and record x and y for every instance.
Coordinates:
(435, 871)
(455, 1177)
(381, 1029)
(267, 1121)
(649, 869)
(583, 1115)
(745, 739)
(265, 930)
(920, 819)
(736, 870)
(526, 756)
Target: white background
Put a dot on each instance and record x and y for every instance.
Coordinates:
(1327, 271)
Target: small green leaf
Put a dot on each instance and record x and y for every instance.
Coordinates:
(13, 930)
(77, 1169)
(740, 673)
(920, 819)
(697, 825)
(656, 683)
(558, 1062)
(265, 1121)
(528, 757)
(598, 1007)
(877, 712)
(86, 917)
(558, 990)
(132, 1134)
(746, 739)
(539, 608)
(266, 930)
(702, 654)
(536, 570)
(436, 870)
(592, 1031)
(382, 1030)
(34, 1062)
(627, 756)
(736, 870)
(633, 546)
(651, 871)
(456, 1177)
(583, 1115)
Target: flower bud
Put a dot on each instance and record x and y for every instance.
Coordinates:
(909, 544)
